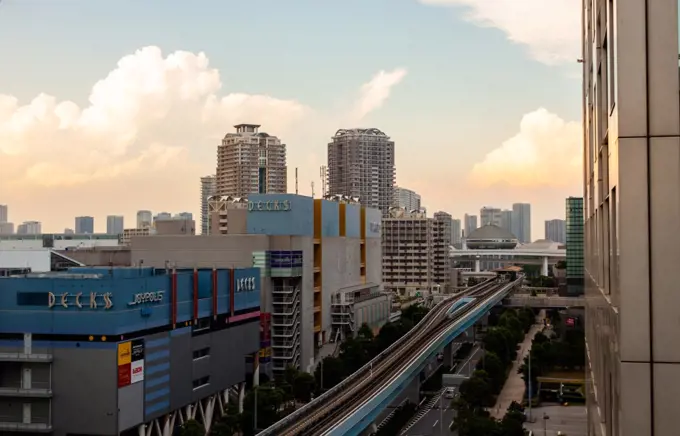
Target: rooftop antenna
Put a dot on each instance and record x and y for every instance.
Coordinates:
(312, 189)
(296, 181)
(322, 172)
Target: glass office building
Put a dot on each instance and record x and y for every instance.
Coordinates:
(574, 245)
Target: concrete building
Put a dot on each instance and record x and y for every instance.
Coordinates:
(84, 225)
(57, 241)
(110, 351)
(416, 252)
(225, 209)
(4, 213)
(491, 216)
(128, 234)
(631, 208)
(521, 222)
(555, 230)
(29, 228)
(176, 226)
(507, 220)
(250, 161)
(6, 228)
(68, 231)
(406, 199)
(361, 165)
(115, 224)
(470, 222)
(144, 219)
(308, 250)
(456, 232)
(208, 189)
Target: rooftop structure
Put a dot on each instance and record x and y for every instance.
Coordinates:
(491, 237)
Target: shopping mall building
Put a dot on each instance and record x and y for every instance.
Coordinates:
(99, 351)
(320, 262)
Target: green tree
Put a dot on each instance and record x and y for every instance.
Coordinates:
(333, 373)
(512, 423)
(476, 391)
(303, 387)
(501, 341)
(414, 313)
(269, 401)
(229, 424)
(192, 428)
(495, 368)
(511, 322)
(389, 334)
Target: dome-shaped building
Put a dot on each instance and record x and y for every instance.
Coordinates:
(491, 237)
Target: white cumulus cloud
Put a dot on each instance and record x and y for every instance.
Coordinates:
(374, 93)
(147, 132)
(546, 152)
(551, 29)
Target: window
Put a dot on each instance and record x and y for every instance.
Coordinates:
(201, 382)
(202, 325)
(203, 352)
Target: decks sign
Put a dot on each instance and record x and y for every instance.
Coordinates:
(147, 297)
(269, 206)
(66, 300)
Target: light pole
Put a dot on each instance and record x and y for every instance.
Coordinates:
(530, 391)
(545, 424)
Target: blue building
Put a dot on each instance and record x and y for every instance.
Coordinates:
(104, 350)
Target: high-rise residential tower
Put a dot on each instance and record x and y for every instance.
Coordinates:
(144, 219)
(632, 215)
(407, 199)
(455, 232)
(491, 215)
(4, 215)
(208, 189)
(521, 222)
(470, 222)
(251, 162)
(555, 230)
(84, 225)
(29, 228)
(361, 164)
(115, 224)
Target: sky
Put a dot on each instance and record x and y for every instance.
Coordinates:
(111, 107)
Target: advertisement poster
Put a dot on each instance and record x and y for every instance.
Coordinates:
(137, 361)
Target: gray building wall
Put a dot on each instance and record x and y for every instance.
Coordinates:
(101, 256)
(374, 261)
(341, 267)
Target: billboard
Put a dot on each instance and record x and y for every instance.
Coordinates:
(285, 259)
(130, 362)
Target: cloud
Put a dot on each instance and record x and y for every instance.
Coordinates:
(374, 93)
(148, 131)
(550, 29)
(546, 152)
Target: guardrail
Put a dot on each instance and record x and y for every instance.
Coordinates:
(366, 369)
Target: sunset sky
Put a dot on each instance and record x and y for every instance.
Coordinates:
(111, 107)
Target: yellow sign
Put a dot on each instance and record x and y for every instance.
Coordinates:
(124, 353)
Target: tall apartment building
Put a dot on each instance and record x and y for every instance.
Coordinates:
(208, 189)
(632, 215)
(455, 232)
(491, 215)
(6, 228)
(507, 220)
(4, 214)
(361, 164)
(555, 230)
(471, 224)
(407, 199)
(521, 222)
(415, 252)
(251, 162)
(144, 219)
(84, 225)
(575, 245)
(29, 228)
(115, 224)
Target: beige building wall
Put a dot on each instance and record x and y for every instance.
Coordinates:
(175, 227)
(101, 256)
(632, 212)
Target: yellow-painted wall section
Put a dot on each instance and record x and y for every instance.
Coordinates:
(343, 219)
(362, 224)
(317, 218)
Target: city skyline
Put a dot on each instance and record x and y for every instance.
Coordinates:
(151, 137)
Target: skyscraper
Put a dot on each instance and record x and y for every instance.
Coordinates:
(84, 225)
(521, 221)
(208, 189)
(406, 199)
(506, 220)
(555, 230)
(144, 219)
(575, 248)
(455, 231)
(491, 215)
(470, 224)
(4, 213)
(115, 224)
(249, 162)
(361, 164)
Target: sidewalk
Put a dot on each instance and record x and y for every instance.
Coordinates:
(513, 390)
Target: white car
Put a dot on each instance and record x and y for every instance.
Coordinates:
(450, 393)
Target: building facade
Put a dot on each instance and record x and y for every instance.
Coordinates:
(406, 199)
(555, 230)
(416, 252)
(4, 213)
(84, 225)
(470, 222)
(361, 165)
(29, 228)
(115, 224)
(491, 216)
(575, 240)
(631, 207)
(106, 350)
(251, 162)
(521, 222)
(144, 219)
(308, 251)
(456, 232)
(208, 189)
(6, 228)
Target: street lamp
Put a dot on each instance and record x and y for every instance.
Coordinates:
(545, 423)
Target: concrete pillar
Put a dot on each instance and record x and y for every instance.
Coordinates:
(448, 355)
(544, 267)
(241, 396)
(478, 265)
(256, 369)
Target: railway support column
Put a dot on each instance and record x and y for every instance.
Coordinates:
(412, 390)
(241, 396)
(478, 265)
(544, 266)
(448, 355)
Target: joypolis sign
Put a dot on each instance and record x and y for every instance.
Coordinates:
(269, 206)
(146, 297)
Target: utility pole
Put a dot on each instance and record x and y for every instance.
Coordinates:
(255, 414)
(530, 390)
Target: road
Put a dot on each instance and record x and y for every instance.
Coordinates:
(436, 422)
(571, 420)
